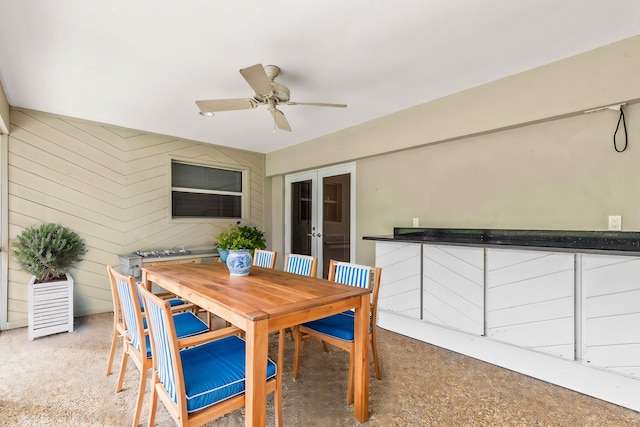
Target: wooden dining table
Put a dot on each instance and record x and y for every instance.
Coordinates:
(270, 300)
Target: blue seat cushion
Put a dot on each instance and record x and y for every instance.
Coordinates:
(337, 325)
(215, 371)
(187, 324)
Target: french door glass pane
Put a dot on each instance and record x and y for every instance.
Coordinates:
(301, 205)
(336, 215)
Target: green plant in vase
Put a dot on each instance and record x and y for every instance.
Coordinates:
(254, 238)
(48, 251)
(238, 238)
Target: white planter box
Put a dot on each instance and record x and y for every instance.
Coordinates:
(50, 307)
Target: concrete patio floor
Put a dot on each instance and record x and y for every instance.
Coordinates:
(60, 380)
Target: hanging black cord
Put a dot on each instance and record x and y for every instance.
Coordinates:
(624, 125)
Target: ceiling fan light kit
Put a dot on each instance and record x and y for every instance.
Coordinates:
(266, 92)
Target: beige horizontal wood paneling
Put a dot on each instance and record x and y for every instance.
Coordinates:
(111, 186)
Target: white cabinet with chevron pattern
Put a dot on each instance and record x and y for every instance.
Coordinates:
(567, 317)
(453, 287)
(400, 280)
(611, 313)
(530, 299)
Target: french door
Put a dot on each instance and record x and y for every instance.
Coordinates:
(320, 214)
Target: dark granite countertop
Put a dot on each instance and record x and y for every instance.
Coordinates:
(616, 242)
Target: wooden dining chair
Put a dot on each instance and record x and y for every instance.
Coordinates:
(119, 329)
(118, 321)
(264, 258)
(201, 378)
(338, 329)
(304, 265)
(135, 334)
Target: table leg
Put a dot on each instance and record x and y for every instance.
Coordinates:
(361, 361)
(257, 339)
(145, 281)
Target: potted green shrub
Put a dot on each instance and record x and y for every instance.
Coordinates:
(236, 238)
(47, 252)
(224, 240)
(236, 246)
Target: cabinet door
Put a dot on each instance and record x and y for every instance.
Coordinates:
(530, 300)
(453, 287)
(175, 261)
(400, 279)
(611, 312)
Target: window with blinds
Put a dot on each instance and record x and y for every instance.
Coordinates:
(199, 191)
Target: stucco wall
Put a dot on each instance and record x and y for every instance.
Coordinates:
(563, 174)
(569, 87)
(515, 153)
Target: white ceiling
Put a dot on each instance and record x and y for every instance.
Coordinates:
(141, 64)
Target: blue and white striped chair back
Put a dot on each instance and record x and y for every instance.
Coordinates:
(352, 274)
(160, 322)
(264, 258)
(299, 264)
(130, 304)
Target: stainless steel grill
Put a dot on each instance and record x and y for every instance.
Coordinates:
(162, 253)
(131, 263)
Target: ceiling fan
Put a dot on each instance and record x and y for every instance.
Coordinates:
(267, 92)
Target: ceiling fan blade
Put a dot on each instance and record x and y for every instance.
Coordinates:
(257, 79)
(317, 104)
(214, 105)
(280, 119)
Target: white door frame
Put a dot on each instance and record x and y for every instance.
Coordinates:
(316, 176)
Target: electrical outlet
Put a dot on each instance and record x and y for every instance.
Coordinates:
(615, 222)
(416, 222)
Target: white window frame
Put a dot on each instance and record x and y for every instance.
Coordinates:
(244, 194)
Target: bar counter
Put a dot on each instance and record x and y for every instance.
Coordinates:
(561, 306)
(621, 242)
